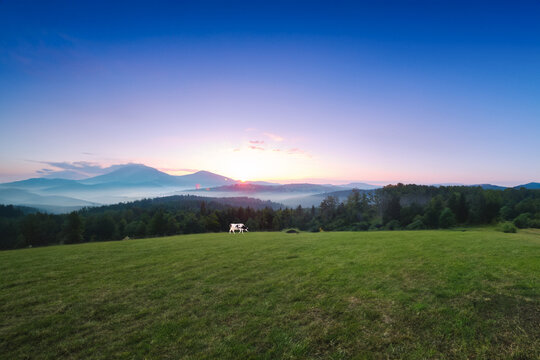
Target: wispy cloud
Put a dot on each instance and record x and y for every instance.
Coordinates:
(293, 151)
(82, 166)
(253, 147)
(256, 141)
(274, 137)
(71, 170)
(297, 151)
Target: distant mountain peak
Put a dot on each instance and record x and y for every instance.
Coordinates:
(490, 186)
(531, 185)
(131, 174)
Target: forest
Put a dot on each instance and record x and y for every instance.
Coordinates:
(394, 207)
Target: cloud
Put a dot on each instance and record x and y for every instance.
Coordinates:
(256, 141)
(83, 166)
(293, 151)
(72, 170)
(79, 170)
(274, 137)
(256, 147)
(297, 151)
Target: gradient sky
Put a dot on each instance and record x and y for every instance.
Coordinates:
(410, 91)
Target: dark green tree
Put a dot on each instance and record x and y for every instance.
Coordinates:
(73, 229)
(328, 208)
(522, 221)
(391, 209)
(433, 212)
(447, 218)
(158, 224)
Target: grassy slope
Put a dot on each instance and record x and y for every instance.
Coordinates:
(431, 294)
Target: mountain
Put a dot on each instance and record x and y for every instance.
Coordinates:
(204, 179)
(287, 188)
(361, 186)
(490, 187)
(51, 203)
(138, 174)
(531, 185)
(132, 174)
(316, 199)
(262, 183)
(132, 182)
(448, 184)
(38, 183)
(288, 194)
(122, 183)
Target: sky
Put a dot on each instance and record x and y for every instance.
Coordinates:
(288, 91)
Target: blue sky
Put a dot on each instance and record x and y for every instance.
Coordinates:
(411, 91)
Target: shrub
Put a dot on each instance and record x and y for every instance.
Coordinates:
(376, 225)
(393, 225)
(417, 224)
(534, 223)
(361, 226)
(292, 231)
(508, 227)
(522, 220)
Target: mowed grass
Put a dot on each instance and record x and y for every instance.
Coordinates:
(340, 295)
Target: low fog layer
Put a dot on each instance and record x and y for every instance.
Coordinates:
(134, 181)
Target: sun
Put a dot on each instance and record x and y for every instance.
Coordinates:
(245, 174)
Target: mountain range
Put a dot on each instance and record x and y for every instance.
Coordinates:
(136, 181)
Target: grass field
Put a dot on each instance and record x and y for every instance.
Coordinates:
(405, 294)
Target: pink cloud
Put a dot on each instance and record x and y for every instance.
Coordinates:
(256, 147)
(293, 151)
(297, 151)
(256, 142)
(275, 137)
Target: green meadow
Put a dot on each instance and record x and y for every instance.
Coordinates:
(332, 295)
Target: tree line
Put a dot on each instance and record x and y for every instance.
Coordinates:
(394, 207)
